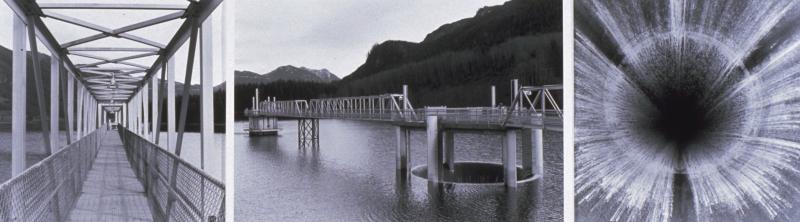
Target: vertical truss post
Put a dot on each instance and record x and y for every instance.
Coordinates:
(55, 68)
(206, 88)
(154, 105)
(146, 113)
(494, 97)
(79, 121)
(160, 104)
(66, 104)
(171, 104)
(515, 94)
(70, 94)
(19, 98)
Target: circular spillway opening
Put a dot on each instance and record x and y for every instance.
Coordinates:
(473, 173)
(682, 97)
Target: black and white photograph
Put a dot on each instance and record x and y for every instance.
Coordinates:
(112, 110)
(399, 110)
(687, 110)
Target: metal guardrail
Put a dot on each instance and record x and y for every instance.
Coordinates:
(48, 190)
(196, 196)
(483, 116)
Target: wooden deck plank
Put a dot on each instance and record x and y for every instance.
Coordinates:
(111, 191)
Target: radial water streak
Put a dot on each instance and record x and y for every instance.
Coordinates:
(687, 110)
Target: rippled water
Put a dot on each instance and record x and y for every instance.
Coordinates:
(352, 178)
(687, 110)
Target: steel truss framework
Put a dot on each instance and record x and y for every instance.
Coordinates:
(308, 133)
(543, 109)
(94, 89)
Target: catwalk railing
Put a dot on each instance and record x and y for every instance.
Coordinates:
(393, 108)
(177, 190)
(48, 190)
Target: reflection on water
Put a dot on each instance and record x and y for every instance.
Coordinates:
(352, 177)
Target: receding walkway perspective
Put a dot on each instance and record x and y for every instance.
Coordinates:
(111, 191)
(110, 87)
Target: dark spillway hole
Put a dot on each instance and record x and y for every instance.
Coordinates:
(473, 173)
(685, 92)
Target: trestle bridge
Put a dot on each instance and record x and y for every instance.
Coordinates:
(104, 86)
(532, 110)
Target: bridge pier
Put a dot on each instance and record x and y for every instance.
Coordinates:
(448, 144)
(308, 133)
(403, 151)
(434, 149)
(510, 158)
(260, 125)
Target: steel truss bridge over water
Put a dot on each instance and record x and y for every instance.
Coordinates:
(107, 80)
(532, 110)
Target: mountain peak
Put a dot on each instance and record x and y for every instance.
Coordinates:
(287, 73)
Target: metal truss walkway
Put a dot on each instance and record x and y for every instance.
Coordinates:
(104, 75)
(111, 191)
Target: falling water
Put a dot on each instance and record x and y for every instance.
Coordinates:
(687, 110)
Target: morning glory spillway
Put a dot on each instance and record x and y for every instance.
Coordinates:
(687, 110)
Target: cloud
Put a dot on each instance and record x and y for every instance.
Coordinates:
(334, 34)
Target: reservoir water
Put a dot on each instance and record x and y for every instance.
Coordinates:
(351, 177)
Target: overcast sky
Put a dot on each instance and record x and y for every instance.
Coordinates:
(334, 34)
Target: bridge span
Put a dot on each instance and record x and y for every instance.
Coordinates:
(103, 86)
(532, 110)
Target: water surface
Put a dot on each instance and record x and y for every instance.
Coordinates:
(352, 178)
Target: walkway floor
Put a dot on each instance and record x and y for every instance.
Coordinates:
(111, 191)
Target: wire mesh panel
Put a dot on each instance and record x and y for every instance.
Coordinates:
(48, 190)
(182, 193)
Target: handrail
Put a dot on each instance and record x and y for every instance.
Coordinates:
(197, 195)
(55, 182)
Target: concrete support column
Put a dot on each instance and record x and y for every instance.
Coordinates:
(449, 150)
(434, 149)
(538, 152)
(526, 144)
(19, 94)
(403, 151)
(510, 159)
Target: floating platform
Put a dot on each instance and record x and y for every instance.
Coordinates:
(262, 132)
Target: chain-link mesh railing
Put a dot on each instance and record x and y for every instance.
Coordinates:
(48, 190)
(194, 195)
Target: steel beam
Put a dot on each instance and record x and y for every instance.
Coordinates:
(37, 77)
(18, 98)
(202, 10)
(111, 6)
(206, 89)
(171, 104)
(55, 68)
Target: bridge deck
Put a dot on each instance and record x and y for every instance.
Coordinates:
(111, 191)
